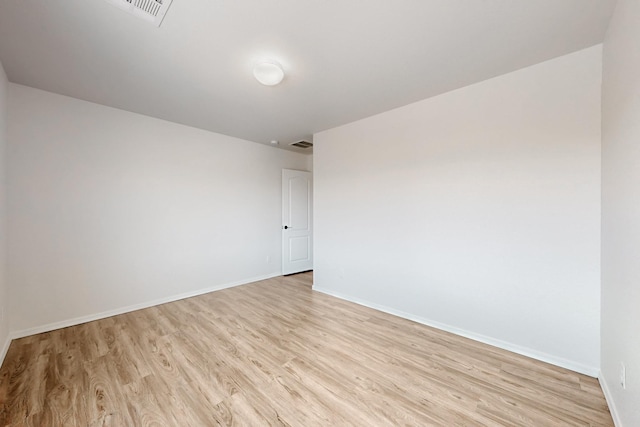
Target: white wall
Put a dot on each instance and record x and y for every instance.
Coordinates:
(4, 291)
(477, 211)
(621, 212)
(309, 165)
(109, 209)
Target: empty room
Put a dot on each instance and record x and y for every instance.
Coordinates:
(319, 213)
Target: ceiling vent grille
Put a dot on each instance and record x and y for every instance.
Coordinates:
(150, 10)
(302, 144)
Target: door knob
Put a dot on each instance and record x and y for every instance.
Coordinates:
(286, 227)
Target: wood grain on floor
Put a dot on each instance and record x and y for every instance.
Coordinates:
(276, 353)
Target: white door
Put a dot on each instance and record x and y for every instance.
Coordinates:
(297, 233)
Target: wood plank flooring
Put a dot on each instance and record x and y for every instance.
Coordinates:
(277, 353)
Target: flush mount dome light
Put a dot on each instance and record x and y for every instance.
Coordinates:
(269, 73)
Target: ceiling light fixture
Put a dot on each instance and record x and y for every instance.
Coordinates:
(269, 73)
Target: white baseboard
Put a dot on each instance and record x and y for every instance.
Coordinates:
(514, 348)
(609, 397)
(90, 318)
(5, 348)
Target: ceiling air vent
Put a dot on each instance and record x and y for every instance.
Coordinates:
(302, 144)
(150, 10)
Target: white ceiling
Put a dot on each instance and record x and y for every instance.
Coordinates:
(344, 59)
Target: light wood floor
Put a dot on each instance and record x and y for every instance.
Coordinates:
(276, 353)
